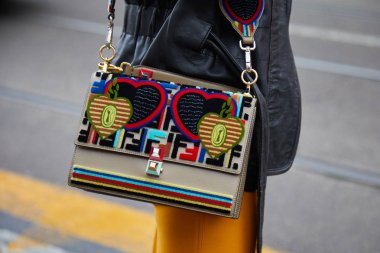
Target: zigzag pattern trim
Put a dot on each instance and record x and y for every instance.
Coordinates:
(152, 188)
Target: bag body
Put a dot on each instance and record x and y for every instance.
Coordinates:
(165, 139)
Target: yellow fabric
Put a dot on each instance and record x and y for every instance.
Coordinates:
(184, 231)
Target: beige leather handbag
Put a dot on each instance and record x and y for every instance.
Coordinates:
(165, 139)
(158, 137)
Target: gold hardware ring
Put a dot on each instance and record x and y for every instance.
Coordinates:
(249, 71)
(107, 46)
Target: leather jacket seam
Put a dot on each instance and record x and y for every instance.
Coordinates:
(206, 35)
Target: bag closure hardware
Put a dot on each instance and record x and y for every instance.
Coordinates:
(154, 166)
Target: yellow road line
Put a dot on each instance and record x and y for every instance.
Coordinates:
(76, 214)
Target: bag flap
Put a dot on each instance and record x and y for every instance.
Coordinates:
(168, 121)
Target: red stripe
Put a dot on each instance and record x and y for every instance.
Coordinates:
(94, 138)
(110, 102)
(241, 28)
(230, 134)
(148, 189)
(101, 108)
(223, 146)
(90, 134)
(234, 135)
(161, 120)
(251, 28)
(123, 110)
(219, 120)
(106, 131)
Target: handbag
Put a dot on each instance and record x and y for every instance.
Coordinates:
(159, 137)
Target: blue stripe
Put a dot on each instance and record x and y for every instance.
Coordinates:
(239, 106)
(116, 138)
(151, 185)
(245, 30)
(202, 155)
(144, 131)
(169, 85)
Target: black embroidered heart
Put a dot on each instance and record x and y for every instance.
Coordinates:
(148, 98)
(244, 11)
(190, 105)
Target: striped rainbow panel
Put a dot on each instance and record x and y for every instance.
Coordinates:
(246, 30)
(151, 188)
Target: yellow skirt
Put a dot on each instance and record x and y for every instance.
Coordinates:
(184, 231)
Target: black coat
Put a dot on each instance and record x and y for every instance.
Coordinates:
(173, 35)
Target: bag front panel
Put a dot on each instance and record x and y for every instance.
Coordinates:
(202, 137)
(185, 121)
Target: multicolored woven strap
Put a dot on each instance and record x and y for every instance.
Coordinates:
(244, 16)
(111, 6)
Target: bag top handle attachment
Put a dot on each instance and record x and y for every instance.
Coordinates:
(244, 16)
(105, 66)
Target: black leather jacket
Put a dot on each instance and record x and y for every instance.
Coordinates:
(172, 35)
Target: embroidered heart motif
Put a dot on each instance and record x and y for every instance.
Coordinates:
(108, 115)
(243, 11)
(188, 106)
(218, 135)
(148, 99)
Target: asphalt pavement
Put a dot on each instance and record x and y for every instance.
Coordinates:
(328, 202)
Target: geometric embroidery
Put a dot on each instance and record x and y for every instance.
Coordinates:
(178, 118)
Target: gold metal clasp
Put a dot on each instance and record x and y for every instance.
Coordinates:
(248, 67)
(106, 66)
(247, 49)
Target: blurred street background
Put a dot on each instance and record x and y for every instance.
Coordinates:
(329, 202)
